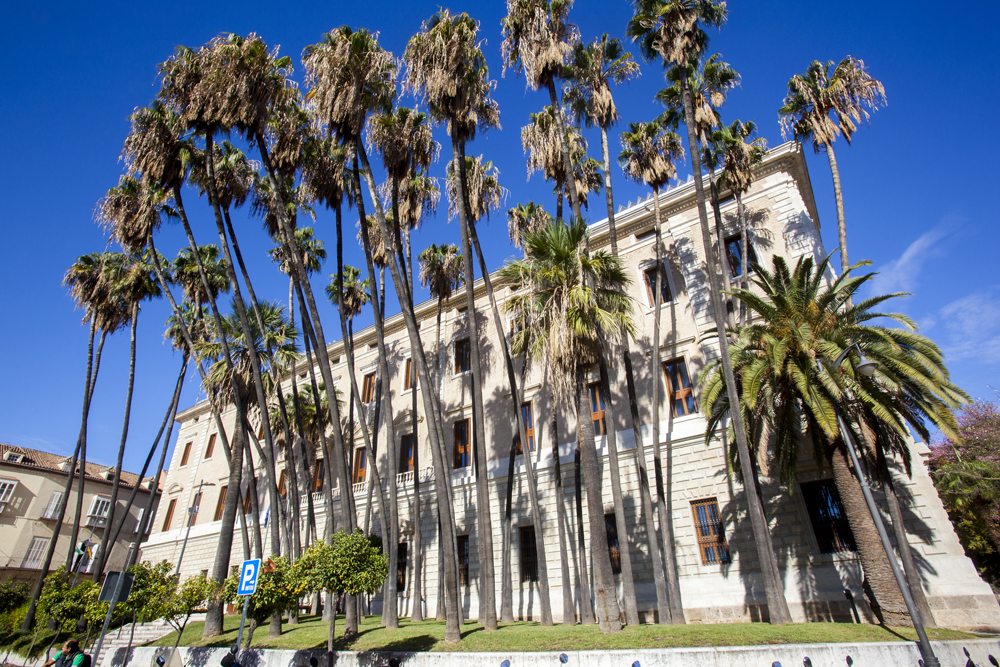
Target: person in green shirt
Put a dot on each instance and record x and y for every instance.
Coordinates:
(69, 656)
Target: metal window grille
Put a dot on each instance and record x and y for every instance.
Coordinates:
(401, 567)
(711, 538)
(614, 550)
(463, 560)
(529, 556)
(826, 514)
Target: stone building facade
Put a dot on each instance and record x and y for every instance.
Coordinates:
(32, 488)
(713, 548)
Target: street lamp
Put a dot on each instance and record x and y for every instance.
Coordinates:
(867, 368)
(192, 511)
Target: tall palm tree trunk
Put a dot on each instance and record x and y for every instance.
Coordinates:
(569, 611)
(584, 556)
(608, 611)
(839, 197)
(484, 527)
(773, 589)
(664, 614)
(574, 197)
(517, 398)
(29, 617)
(433, 411)
(721, 249)
(873, 559)
(666, 521)
(744, 255)
(106, 543)
(389, 516)
(903, 546)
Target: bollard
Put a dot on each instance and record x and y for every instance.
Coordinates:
(993, 661)
(806, 662)
(968, 663)
(505, 663)
(563, 658)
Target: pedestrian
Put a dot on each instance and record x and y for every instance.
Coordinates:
(69, 656)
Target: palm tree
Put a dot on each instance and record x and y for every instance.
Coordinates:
(313, 256)
(572, 299)
(541, 141)
(441, 272)
(445, 66)
(671, 30)
(132, 282)
(791, 390)
(825, 102)
(648, 156)
(524, 219)
(742, 156)
(537, 40)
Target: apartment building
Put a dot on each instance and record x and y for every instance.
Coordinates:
(713, 547)
(32, 492)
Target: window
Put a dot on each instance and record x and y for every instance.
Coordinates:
(406, 453)
(461, 453)
(649, 277)
(463, 356)
(138, 520)
(247, 502)
(220, 506)
(55, 504)
(210, 448)
(33, 559)
(14, 457)
(529, 557)
(409, 375)
(401, 567)
(368, 388)
(734, 253)
(463, 560)
(711, 540)
(170, 514)
(679, 388)
(98, 513)
(319, 477)
(187, 454)
(614, 551)
(193, 510)
(6, 490)
(826, 513)
(89, 558)
(360, 465)
(529, 429)
(282, 491)
(597, 410)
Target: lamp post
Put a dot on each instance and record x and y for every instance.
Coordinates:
(192, 511)
(867, 368)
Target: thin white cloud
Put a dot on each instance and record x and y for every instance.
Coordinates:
(903, 273)
(972, 327)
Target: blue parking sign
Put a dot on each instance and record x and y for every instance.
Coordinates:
(249, 574)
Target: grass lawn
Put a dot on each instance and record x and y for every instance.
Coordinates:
(311, 633)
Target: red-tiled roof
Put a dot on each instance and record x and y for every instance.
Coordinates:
(33, 458)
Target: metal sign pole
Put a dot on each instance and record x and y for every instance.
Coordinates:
(107, 618)
(243, 621)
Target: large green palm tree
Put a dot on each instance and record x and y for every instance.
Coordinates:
(672, 31)
(648, 156)
(825, 102)
(790, 390)
(572, 299)
(446, 68)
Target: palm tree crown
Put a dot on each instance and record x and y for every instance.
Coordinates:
(648, 154)
(592, 67)
(441, 270)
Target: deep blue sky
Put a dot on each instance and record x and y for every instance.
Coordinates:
(920, 184)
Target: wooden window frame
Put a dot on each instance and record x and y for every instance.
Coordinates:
(528, 414)
(463, 356)
(683, 392)
(461, 451)
(597, 417)
(210, 447)
(406, 462)
(711, 545)
(368, 387)
(359, 466)
(186, 455)
(319, 476)
(736, 266)
(831, 529)
(528, 553)
(409, 374)
(247, 502)
(614, 544)
(648, 276)
(282, 484)
(220, 504)
(196, 505)
(168, 519)
(462, 543)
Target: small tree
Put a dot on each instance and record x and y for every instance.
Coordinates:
(278, 589)
(183, 601)
(62, 605)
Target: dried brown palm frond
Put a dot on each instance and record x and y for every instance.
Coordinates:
(290, 128)
(587, 177)
(741, 157)
(380, 248)
(672, 30)
(349, 75)
(592, 67)
(157, 147)
(485, 193)
(446, 69)
(526, 219)
(265, 203)
(404, 140)
(442, 270)
(540, 140)
(419, 195)
(132, 211)
(235, 174)
(324, 175)
(537, 39)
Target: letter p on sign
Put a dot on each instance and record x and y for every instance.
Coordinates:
(248, 577)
